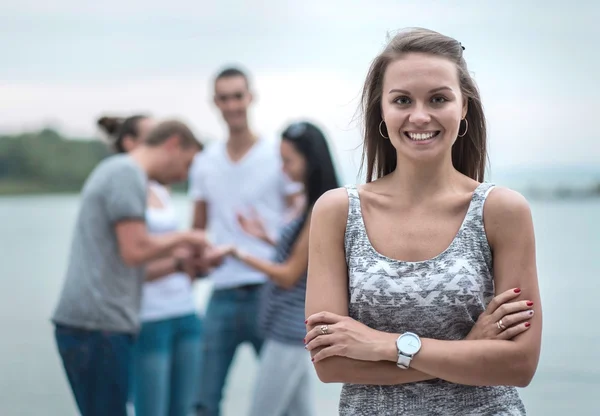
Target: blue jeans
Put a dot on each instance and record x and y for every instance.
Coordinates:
(231, 319)
(166, 366)
(97, 365)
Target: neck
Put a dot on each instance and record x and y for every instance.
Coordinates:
(146, 159)
(417, 181)
(239, 139)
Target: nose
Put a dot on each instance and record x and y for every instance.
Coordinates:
(230, 105)
(419, 115)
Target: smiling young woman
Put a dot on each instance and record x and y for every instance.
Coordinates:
(422, 282)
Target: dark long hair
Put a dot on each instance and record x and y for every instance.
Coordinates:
(118, 128)
(320, 175)
(469, 153)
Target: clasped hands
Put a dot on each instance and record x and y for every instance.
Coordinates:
(197, 256)
(330, 334)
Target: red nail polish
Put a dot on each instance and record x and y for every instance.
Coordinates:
(312, 359)
(530, 303)
(517, 290)
(304, 340)
(306, 321)
(527, 324)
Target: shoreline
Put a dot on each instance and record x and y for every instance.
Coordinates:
(30, 189)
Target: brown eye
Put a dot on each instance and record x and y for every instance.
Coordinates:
(402, 100)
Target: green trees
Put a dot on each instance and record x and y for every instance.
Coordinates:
(45, 161)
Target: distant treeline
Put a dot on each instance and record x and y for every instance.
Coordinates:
(46, 162)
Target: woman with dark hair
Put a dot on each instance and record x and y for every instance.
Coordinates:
(283, 384)
(124, 133)
(166, 360)
(404, 269)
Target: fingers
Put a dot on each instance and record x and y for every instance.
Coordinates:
(329, 352)
(501, 299)
(183, 252)
(241, 219)
(323, 318)
(515, 318)
(320, 341)
(511, 308)
(513, 331)
(317, 332)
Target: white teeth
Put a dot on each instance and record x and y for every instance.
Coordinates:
(421, 136)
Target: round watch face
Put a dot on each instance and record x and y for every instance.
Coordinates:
(409, 343)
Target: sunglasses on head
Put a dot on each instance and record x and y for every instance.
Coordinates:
(295, 130)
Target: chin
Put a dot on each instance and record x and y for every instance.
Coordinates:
(424, 155)
(237, 123)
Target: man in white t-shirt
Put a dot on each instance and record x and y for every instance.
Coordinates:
(238, 176)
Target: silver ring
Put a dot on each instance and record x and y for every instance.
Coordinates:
(500, 325)
(324, 329)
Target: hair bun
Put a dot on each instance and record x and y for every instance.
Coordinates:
(110, 125)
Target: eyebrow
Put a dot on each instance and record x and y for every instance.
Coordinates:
(430, 92)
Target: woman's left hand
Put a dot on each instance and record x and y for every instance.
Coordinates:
(346, 337)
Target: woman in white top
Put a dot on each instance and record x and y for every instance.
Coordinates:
(166, 361)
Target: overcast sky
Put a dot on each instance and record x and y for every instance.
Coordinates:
(66, 62)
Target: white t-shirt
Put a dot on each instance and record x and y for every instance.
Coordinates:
(256, 181)
(170, 296)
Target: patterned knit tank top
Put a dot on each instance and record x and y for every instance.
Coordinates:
(439, 298)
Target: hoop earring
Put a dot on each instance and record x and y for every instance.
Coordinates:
(385, 137)
(466, 128)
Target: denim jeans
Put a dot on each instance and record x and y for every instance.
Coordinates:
(231, 319)
(166, 366)
(97, 364)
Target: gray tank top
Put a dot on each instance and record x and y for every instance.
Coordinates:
(438, 298)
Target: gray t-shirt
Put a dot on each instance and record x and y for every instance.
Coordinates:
(100, 291)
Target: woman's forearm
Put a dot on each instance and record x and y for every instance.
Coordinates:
(477, 363)
(384, 373)
(278, 273)
(473, 362)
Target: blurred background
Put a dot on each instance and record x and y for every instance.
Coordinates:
(65, 63)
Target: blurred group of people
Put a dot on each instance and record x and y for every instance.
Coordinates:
(127, 325)
(417, 290)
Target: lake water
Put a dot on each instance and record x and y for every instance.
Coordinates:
(35, 233)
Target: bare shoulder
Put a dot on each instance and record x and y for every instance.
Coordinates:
(331, 208)
(504, 203)
(332, 202)
(506, 211)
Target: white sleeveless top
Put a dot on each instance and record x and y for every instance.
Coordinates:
(170, 296)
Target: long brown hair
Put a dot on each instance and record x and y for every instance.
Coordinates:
(469, 153)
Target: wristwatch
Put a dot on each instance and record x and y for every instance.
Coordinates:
(408, 345)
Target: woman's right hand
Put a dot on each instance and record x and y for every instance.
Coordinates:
(503, 319)
(253, 225)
